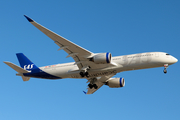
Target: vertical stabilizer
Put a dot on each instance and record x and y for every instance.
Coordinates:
(25, 62)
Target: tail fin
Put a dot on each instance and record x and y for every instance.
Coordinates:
(25, 62)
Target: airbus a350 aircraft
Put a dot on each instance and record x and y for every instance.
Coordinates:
(98, 68)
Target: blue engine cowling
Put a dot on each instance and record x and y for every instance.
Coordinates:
(115, 82)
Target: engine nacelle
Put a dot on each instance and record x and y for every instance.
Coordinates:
(102, 58)
(116, 82)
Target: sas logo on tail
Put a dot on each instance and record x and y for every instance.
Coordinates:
(28, 66)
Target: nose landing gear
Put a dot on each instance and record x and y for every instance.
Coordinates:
(165, 67)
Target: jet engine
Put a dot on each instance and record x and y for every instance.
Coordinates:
(115, 82)
(101, 58)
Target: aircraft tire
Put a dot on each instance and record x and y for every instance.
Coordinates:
(86, 74)
(90, 86)
(95, 86)
(165, 71)
(82, 74)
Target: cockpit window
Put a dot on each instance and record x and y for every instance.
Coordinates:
(167, 54)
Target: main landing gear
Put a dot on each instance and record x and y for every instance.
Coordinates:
(84, 72)
(93, 86)
(92, 83)
(165, 67)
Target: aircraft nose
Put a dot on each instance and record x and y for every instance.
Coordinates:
(174, 60)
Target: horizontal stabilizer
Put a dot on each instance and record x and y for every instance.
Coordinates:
(16, 68)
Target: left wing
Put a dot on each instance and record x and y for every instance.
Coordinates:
(78, 53)
(98, 83)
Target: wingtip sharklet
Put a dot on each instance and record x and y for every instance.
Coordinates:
(85, 92)
(29, 19)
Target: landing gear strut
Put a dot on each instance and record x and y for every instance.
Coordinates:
(165, 67)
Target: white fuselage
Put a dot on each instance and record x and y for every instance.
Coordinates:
(118, 64)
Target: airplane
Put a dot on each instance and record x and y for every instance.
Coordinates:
(97, 68)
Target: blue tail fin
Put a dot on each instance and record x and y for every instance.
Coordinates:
(25, 62)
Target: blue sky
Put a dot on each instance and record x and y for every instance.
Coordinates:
(116, 26)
